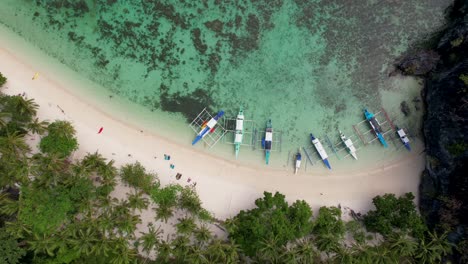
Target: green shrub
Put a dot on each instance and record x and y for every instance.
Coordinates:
(60, 140)
(3, 79)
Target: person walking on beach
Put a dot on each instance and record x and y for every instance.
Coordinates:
(100, 130)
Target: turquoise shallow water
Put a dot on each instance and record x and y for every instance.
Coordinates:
(310, 66)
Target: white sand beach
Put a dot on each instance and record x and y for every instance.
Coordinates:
(224, 186)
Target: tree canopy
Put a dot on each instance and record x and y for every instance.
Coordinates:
(273, 219)
(394, 213)
(60, 139)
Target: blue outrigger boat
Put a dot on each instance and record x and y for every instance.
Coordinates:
(404, 139)
(321, 151)
(374, 123)
(208, 127)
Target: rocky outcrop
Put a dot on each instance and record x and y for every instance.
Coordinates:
(419, 64)
(444, 185)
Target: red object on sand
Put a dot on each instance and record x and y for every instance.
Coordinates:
(100, 130)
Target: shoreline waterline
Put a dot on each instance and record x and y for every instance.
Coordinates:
(218, 179)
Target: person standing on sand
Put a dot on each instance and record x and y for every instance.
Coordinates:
(100, 130)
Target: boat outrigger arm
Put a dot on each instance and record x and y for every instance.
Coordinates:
(239, 131)
(375, 126)
(209, 127)
(320, 150)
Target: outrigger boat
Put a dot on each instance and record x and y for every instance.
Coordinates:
(349, 145)
(298, 162)
(374, 123)
(268, 141)
(401, 133)
(208, 127)
(239, 131)
(320, 150)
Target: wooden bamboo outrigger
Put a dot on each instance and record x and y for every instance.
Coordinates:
(330, 144)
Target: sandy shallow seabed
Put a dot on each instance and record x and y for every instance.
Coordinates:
(225, 187)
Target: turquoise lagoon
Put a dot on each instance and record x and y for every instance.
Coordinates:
(310, 66)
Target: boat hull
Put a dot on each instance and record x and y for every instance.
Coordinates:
(319, 147)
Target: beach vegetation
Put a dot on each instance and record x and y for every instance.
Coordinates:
(60, 139)
(57, 210)
(273, 220)
(135, 175)
(392, 213)
(3, 79)
(10, 250)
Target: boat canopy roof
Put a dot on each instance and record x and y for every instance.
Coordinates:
(212, 123)
(269, 136)
(238, 138)
(239, 124)
(320, 149)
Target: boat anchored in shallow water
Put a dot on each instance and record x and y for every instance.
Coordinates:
(208, 127)
(349, 145)
(268, 141)
(404, 139)
(298, 162)
(239, 131)
(321, 151)
(374, 123)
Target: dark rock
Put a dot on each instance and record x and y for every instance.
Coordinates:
(419, 64)
(215, 25)
(197, 41)
(443, 198)
(405, 109)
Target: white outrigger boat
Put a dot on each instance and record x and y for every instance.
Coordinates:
(349, 145)
(239, 131)
(321, 151)
(298, 162)
(404, 139)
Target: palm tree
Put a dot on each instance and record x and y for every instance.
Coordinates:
(151, 239)
(269, 250)
(344, 255)
(306, 252)
(382, 254)
(196, 254)
(433, 248)
(202, 234)
(3, 117)
(402, 244)
(122, 253)
(163, 212)
(327, 243)
(93, 161)
(7, 205)
(85, 240)
(219, 251)
(186, 225)
(44, 244)
(49, 169)
(164, 250)
(137, 201)
(14, 143)
(24, 106)
(37, 127)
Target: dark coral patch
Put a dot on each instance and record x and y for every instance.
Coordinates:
(188, 105)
